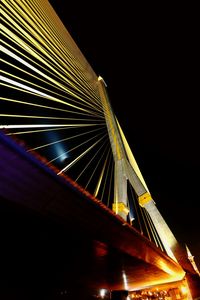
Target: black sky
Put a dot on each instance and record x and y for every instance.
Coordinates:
(148, 55)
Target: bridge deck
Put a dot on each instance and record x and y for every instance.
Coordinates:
(91, 245)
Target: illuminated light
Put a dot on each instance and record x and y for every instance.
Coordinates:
(38, 117)
(60, 152)
(44, 106)
(184, 290)
(37, 92)
(101, 177)
(25, 126)
(102, 293)
(5, 50)
(97, 152)
(38, 37)
(125, 281)
(101, 79)
(121, 207)
(34, 53)
(36, 131)
(178, 275)
(42, 87)
(77, 158)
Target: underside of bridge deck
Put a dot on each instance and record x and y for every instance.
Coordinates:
(57, 238)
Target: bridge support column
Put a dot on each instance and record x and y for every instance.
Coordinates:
(168, 239)
(119, 295)
(171, 245)
(126, 169)
(120, 190)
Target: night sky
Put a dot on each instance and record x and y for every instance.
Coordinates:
(148, 56)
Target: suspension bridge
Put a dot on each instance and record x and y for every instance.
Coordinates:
(65, 157)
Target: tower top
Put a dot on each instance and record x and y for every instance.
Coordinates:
(191, 259)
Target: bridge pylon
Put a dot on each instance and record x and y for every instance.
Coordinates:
(126, 168)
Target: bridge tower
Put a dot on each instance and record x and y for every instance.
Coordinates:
(126, 168)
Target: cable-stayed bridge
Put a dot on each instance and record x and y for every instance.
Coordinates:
(54, 101)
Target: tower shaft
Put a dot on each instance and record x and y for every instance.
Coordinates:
(126, 169)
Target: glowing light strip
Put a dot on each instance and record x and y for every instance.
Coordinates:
(60, 87)
(108, 159)
(156, 236)
(44, 106)
(111, 178)
(57, 32)
(65, 139)
(61, 45)
(25, 126)
(79, 157)
(125, 281)
(42, 80)
(25, 87)
(145, 223)
(30, 29)
(38, 131)
(57, 36)
(28, 92)
(78, 146)
(34, 53)
(94, 169)
(39, 57)
(100, 177)
(10, 53)
(40, 117)
(6, 73)
(90, 161)
(63, 35)
(150, 227)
